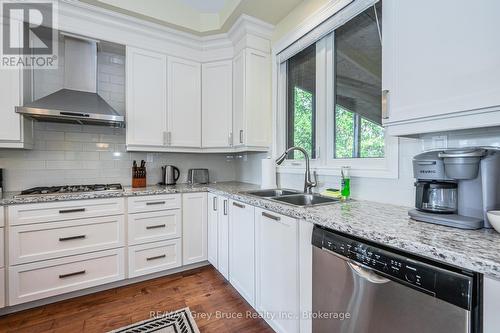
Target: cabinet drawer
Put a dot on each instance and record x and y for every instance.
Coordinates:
(154, 257)
(54, 277)
(152, 203)
(65, 210)
(154, 226)
(2, 287)
(2, 248)
(28, 243)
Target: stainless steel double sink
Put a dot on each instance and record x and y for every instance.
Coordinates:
(292, 197)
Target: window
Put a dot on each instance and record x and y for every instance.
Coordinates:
(329, 97)
(358, 85)
(301, 103)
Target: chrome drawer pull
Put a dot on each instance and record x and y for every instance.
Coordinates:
(62, 276)
(155, 226)
(272, 217)
(155, 203)
(225, 207)
(238, 205)
(157, 257)
(76, 210)
(214, 202)
(63, 239)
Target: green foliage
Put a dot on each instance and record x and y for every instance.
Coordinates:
(372, 139)
(303, 117)
(344, 133)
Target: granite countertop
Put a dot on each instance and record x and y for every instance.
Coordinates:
(476, 250)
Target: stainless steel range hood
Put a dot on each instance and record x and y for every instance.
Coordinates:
(78, 101)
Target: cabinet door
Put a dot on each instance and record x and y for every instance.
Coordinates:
(491, 320)
(10, 126)
(223, 237)
(257, 99)
(213, 219)
(434, 64)
(239, 99)
(184, 108)
(146, 97)
(217, 104)
(194, 227)
(242, 249)
(277, 270)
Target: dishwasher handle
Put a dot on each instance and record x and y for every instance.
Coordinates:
(367, 273)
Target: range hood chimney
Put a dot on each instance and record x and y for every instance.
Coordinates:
(78, 102)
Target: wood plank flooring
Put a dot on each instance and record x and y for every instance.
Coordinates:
(204, 290)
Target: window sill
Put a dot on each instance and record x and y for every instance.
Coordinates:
(367, 168)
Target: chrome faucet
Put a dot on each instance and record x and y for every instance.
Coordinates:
(308, 183)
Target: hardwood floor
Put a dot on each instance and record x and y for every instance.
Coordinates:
(204, 290)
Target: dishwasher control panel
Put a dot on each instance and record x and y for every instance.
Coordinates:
(423, 276)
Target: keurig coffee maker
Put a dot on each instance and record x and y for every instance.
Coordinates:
(456, 187)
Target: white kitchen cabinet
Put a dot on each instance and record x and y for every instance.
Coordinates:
(194, 227)
(213, 220)
(242, 249)
(2, 287)
(16, 131)
(43, 279)
(223, 237)
(277, 269)
(252, 99)
(218, 233)
(217, 104)
(491, 305)
(154, 257)
(184, 103)
(440, 74)
(146, 98)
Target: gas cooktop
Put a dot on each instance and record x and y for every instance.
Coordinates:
(67, 189)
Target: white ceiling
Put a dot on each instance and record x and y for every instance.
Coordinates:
(200, 16)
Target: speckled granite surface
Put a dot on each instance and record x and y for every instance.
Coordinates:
(382, 223)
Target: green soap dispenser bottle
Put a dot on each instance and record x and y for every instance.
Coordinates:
(346, 182)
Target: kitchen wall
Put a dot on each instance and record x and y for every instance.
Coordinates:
(75, 154)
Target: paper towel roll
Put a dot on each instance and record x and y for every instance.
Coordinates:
(268, 173)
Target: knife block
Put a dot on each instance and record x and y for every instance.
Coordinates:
(138, 177)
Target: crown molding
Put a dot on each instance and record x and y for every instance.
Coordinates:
(127, 24)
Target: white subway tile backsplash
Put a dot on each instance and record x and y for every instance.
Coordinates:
(81, 156)
(75, 154)
(81, 137)
(64, 145)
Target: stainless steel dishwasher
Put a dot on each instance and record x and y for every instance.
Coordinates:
(359, 287)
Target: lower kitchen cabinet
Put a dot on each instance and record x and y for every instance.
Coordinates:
(491, 305)
(2, 287)
(154, 257)
(242, 249)
(43, 279)
(223, 237)
(277, 270)
(218, 233)
(194, 227)
(213, 220)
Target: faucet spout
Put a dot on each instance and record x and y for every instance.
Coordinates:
(308, 182)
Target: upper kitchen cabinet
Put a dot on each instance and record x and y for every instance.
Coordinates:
(217, 104)
(15, 130)
(184, 103)
(252, 99)
(146, 98)
(441, 64)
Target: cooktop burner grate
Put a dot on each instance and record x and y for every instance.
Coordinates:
(66, 189)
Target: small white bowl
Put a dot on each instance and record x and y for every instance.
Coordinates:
(494, 219)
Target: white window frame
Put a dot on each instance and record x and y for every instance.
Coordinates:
(325, 163)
